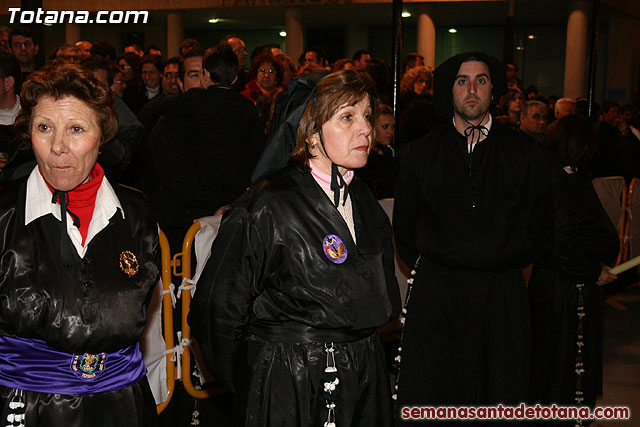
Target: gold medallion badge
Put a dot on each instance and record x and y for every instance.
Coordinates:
(128, 263)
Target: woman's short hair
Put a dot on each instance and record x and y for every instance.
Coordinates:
(414, 74)
(59, 81)
(264, 58)
(346, 87)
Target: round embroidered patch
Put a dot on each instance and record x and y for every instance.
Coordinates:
(334, 248)
(88, 365)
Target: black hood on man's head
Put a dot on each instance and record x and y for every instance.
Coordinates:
(445, 75)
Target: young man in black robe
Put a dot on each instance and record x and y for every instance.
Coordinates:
(472, 208)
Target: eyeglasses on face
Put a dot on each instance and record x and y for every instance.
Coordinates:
(266, 70)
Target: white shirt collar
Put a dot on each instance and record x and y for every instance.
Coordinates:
(38, 204)
(8, 115)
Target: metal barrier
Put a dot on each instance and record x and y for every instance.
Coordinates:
(181, 355)
(167, 317)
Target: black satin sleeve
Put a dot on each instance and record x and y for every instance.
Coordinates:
(221, 306)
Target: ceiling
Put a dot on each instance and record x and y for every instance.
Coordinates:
(450, 13)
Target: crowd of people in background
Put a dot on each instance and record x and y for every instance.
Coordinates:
(142, 79)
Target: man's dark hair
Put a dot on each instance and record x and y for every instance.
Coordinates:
(10, 67)
(24, 32)
(410, 60)
(175, 60)
(191, 53)
(153, 46)
(356, 56)
(104, 49)
(155, 60)
(319, 51)
(445, 75)
(94, 63)
(221, 63)
(608, 104)
(532, 89)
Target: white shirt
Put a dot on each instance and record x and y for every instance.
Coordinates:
(38, 203)
(8, 115)
(151, 93)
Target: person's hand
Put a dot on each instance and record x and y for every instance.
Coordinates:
(605, 277)
(222, 209)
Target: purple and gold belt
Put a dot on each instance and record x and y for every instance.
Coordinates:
(29, 364)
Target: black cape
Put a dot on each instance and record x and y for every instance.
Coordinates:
(268, 268)
(477, 219)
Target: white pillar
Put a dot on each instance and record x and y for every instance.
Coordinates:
(575, 62)
(175, 33)
(294, 42)
(72, 33)
(356, 38)
(426, 43)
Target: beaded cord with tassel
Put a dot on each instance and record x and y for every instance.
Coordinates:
(580, 343)
(403, 316)
(15, 415)
(330, 386)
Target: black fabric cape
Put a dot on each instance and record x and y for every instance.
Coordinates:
(92, 307)
(584, 237)
(477, 219)
(268, 267)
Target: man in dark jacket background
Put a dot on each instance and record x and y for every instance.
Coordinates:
(204, 147)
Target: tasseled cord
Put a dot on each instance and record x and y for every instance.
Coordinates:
(66, 247)
(337, 181)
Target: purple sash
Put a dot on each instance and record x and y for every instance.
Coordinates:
(29, 364)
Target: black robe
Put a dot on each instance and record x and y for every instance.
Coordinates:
(268, 270)
(91, 307)
(476, 219)
(584, 237)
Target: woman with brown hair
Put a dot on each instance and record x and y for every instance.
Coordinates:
(416, 85)
(265, 87)
(79, 263)
(266, 76)
(300, 276)
(510, 107)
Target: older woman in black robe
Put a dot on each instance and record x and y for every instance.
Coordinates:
(300, 276)
(78, 265)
